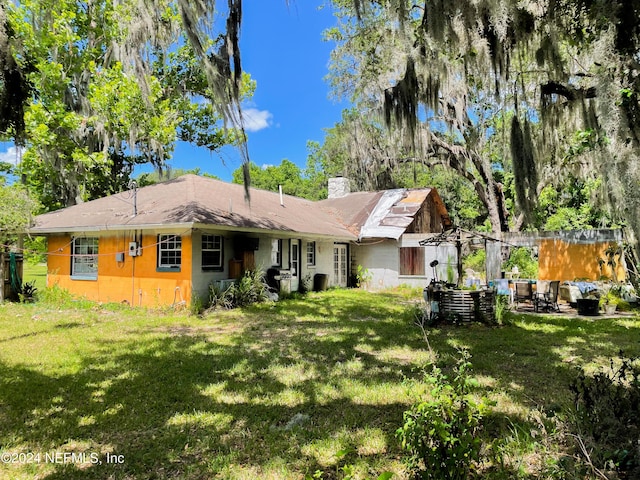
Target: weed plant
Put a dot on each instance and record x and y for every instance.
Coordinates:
(441, 431)
(607, 418)
(249, 289)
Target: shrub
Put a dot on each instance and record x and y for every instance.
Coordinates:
(607, 417)
(524, 259)
(197, 305)
(220, 297)
(440, 433)
(249, 289)
(476, 260)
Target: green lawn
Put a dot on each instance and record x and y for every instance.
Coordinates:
(274, 391)
(37, 273)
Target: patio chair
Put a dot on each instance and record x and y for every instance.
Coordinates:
(523, 293)
(554, 287)
(549, 299)
(541, 294)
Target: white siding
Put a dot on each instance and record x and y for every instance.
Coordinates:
(202, 279)
(382, 260)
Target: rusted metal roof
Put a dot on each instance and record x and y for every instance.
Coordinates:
(384, 214)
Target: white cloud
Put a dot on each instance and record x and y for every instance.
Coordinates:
(266, 165)
(10, 156)
(256, 120)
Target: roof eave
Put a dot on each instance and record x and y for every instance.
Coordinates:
(107, 228)
(164, 226)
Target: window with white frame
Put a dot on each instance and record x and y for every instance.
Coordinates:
(276, 252)
(84, 258)
(311, 253)
(169, 252)
(212, 252)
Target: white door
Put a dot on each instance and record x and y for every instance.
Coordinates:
(294, 264)
(340, 263)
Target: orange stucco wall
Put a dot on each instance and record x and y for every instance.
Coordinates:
(560, 260)
(134, 280)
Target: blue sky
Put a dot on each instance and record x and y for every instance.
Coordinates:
(282, 48)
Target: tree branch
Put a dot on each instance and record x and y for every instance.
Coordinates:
(569, 92)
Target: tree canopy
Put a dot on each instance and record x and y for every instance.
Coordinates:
(94, 88)
(502, 83)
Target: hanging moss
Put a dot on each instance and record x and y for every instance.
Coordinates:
(524, 166)
(15, 90)
(401, 100)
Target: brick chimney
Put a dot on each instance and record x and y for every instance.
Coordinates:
(339, 187)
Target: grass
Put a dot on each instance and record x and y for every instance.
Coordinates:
(274, 391)
(35, 272)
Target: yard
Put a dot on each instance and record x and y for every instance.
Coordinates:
(301, 388)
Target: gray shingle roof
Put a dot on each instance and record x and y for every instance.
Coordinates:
(192, 199)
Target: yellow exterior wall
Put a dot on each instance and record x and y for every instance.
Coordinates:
(560, 260)
(135, 281)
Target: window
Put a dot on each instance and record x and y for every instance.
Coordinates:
(311, 253)
(84, 258)
(294, 253)
(212, 253)
(412, 261)
(169, 252)
(276, 253)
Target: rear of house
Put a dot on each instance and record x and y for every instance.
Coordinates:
(166, 243)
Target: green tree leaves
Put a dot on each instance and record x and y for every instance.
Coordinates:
(114, 84)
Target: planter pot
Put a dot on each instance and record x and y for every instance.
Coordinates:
(588, 306)
(609, 309)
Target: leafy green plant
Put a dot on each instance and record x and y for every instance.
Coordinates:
(502, 308)
(197, 305)
(476, 260)
(363, 276)
(440, 434)
(607, 416)
(251, 288)
(524, 259)
(220, 297)
(451, 277)
(28, 291)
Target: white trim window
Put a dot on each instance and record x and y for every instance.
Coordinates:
(169, 252)
(311, 254)
(276, 252)
(84, 258)
(212, 252)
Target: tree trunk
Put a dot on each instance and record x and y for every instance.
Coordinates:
(489, 191)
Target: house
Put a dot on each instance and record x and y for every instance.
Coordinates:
(163, 244)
